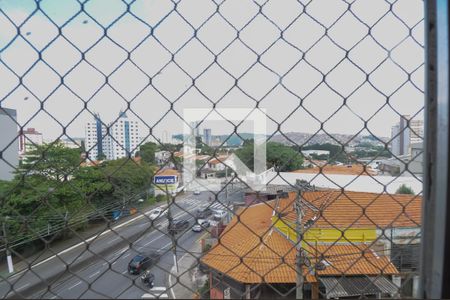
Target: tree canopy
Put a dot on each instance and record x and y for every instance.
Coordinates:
(282, 157)
(404, 189)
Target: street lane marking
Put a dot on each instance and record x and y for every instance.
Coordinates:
(113, 240)
(151, 241)
(87, 241)
(92, 275)
(126, 255)
(23, 286)
(124, 272)
(76, 284)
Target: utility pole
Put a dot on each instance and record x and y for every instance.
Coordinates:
(299, 258)
(171, 228)
(8, 252)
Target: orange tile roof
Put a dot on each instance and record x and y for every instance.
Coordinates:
(350, 259)
(251, 251)
(218, 160)
(355, 169)
(167, 172)
(356, 209)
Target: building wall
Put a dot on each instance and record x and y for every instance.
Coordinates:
(123, 138)
(28, 140)
(10, 151)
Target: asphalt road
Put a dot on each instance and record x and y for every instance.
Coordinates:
(106, 276)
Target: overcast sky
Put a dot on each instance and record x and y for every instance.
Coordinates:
(287, 80)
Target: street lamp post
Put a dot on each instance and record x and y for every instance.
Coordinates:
(8, 252)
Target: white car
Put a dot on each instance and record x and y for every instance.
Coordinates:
(157, 213)
(201, 224)
(219, 214)
(196, 192)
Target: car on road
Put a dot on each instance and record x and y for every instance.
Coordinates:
(157, 213)
(203, 213)
(201, 224)
(140, 262)
(219, 214)
(178, 226)
(197, 192)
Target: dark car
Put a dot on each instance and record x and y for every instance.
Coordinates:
(141, 262)
(178, 226)
(204, 213)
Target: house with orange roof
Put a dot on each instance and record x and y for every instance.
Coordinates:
(353, 169)
(254, 258)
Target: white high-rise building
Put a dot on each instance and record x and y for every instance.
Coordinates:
(123, 138)
(404, 135)
(416, 127)
(9, 143)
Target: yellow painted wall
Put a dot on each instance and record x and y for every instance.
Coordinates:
(328, 235)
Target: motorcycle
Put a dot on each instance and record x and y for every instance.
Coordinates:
(147, 279)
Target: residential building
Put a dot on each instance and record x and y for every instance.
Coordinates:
(28, 139)
(162, 157)
(122, 141)
(207, 138)
(97, 142)
(416, 131)
(257, 254)
(125, 137)
(9, 143)
(309, 153)
(400, 134)
(354, 169)
(413, 161)
(405, 133)
(72, 142)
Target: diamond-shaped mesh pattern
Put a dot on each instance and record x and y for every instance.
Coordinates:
(341, 85)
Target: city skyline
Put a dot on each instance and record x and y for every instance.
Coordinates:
(283, 81)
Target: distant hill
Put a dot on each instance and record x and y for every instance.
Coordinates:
(299, 138)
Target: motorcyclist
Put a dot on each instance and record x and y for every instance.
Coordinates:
(147, 278)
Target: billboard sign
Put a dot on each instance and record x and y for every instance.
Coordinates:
(165, 179)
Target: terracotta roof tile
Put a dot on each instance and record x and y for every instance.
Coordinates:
(355, 169)
(251, 251)
(356, 209)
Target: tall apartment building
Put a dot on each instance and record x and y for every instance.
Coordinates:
(9, 143)
(29, 138)
(417, 135)
(123, 138)
(403, 135)
(207, 138)
(96, 139)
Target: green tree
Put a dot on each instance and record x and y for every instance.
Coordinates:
(282, 157)
(52, 161)
(147, 152)
(127, 178)
(404, 189)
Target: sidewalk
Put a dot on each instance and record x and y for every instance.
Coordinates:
(189, 277)
(22, 263)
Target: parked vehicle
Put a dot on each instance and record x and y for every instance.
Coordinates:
(197, 192)
(219, 214)
(201, 224)
(148, 279)
(140, 263)
(178, 226)
(157, 213)
(204, 213)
